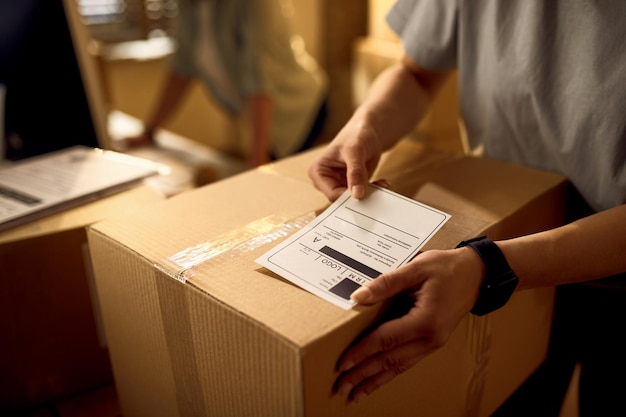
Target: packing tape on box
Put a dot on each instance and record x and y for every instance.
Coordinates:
(182, 266)
(244, 239)
(250, 237)
(175, 306)
(480, 346)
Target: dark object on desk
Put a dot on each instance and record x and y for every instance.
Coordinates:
(46, 103)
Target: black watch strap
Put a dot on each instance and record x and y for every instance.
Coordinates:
(500, 280)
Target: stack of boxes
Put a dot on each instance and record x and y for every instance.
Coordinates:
(51, 338)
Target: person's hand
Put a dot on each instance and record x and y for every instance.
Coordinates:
(442, 286)
(347, 162)
(256, 159)
(132, 142)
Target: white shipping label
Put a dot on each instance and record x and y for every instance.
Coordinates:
(354, 241)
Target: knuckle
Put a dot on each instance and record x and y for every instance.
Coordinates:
(436, 338)
(432, 332)
(382, 283)
(438, 341)
(359, 171)
(387, 343)
(395, 366)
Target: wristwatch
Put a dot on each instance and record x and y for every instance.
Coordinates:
(500, 280)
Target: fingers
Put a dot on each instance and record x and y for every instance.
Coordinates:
(347, 162)
(328, 176)
(357, 176)
(384, 354)
(368, 377)
(129, 143)
(441, 287)
(335, 172)
(387, 285)
(360, 162)
(383, 183)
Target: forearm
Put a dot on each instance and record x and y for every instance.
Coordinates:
(260, 110)
(397, 100)
(175, 87)
(590, 248)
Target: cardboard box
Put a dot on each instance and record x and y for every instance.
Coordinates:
(50, 343)
(377, 23)
(196, 328)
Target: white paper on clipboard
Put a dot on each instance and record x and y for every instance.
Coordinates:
(45, 184)
(354, 241)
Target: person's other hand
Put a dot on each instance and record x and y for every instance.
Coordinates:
(133, 142)
(347, 162)
(442, 286)
(256, 159)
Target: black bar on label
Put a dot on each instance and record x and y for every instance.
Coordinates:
(353, 263)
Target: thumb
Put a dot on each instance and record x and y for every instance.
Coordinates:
(357, 175)
(378, 289)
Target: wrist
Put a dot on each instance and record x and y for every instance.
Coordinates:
(473, 274)
(499, 280)
(149, 129)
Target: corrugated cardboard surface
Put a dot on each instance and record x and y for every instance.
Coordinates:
(196, 327)
(50, 342)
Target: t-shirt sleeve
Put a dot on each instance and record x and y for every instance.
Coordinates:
(428, 30)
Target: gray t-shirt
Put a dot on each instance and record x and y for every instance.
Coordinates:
(541, 83)
(239, 48)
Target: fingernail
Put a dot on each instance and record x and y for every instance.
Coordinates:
(384, 183)
(358, 192)
(361, 295)
(345, 389)
(359, 397)
(345, 366)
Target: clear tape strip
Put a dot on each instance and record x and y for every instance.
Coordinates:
(245, 239)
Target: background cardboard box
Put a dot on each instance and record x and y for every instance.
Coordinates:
(440, 127)
(50, 342)
(196, 327)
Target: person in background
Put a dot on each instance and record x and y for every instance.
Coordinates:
(541, 84)
(255, 69)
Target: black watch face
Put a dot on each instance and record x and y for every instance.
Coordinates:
(496, 294)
